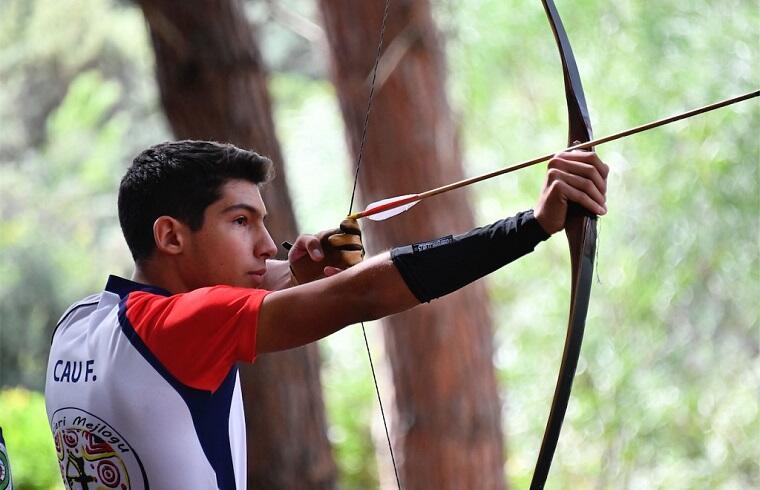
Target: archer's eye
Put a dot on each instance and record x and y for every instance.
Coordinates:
(241, 220)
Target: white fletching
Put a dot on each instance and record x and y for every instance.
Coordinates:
(389, 213)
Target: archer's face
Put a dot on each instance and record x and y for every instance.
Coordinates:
(233, 244)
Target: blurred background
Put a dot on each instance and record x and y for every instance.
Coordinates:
(666, 392)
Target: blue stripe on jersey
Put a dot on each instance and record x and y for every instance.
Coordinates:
(208, 410)
(68, 313)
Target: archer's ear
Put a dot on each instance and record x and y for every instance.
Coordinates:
(169, 235)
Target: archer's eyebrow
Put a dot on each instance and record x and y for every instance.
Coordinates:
(244, 207)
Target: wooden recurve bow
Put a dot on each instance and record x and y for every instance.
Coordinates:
(581, 236)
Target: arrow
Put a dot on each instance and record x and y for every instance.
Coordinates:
(392, 206)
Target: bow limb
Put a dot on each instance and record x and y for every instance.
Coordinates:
(580, 228)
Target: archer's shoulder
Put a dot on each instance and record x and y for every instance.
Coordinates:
(81, 306)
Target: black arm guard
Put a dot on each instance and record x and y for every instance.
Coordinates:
(438, 267)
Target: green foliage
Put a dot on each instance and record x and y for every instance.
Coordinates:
(664, 392)
(29, 441)
(308, 119)
(76, 105)
(351, 404)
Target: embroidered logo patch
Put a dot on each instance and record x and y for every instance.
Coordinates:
(92, 454)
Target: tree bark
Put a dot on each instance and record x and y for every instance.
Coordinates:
(213, 86)
(447, 427)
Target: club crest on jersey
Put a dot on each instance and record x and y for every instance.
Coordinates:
(92, 454)
(5, 469)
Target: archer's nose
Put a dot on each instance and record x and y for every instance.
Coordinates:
(265, 247)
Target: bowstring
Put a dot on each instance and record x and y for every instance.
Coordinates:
(371, 97)
(350, 210)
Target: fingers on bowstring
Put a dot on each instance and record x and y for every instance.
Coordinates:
(343, 241)
(315, 249)
(350, 226)
(350, 239)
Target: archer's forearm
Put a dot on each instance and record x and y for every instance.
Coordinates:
(393, 282)
(299, 315)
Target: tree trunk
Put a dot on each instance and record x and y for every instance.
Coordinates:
(213, 86)
(447, 412)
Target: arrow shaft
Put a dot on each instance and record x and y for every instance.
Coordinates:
(666, 120)
(534, 161)
(591, 143)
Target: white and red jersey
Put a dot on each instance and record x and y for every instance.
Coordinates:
(142, 389)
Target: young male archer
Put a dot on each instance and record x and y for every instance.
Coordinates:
(141, 385)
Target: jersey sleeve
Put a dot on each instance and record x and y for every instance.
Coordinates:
(199, 335)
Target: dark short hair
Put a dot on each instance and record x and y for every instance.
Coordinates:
(180, 179)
